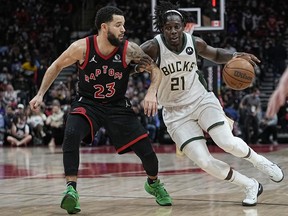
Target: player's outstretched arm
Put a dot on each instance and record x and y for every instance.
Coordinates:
(278, 97)
(221, 56)
(75, 52)
(145, 63)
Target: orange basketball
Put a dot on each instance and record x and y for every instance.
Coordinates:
(238, 74)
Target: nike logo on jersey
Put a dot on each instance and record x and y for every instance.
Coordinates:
(93, 59)
(127, 104)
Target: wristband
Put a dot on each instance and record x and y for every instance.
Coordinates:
(236, 54)
(135, 68)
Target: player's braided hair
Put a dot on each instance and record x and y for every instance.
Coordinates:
(105, 14)
(161, 13)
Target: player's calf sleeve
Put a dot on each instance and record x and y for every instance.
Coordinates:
(71, 151)
(72, 138)
(150, 164)
(145, 152)
(224, 138)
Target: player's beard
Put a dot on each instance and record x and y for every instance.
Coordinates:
(113, 40)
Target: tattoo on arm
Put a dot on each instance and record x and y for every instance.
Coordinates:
(134, 51)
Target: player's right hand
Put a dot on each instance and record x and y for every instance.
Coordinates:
(36, 102)
(249, 57)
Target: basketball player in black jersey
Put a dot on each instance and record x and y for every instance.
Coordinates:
(103, 62)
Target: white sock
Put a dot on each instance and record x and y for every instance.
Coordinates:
(253, 157)
(241, 180)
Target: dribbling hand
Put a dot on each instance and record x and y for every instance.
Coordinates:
(247, 56)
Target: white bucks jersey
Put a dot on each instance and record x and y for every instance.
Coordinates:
(180, 84)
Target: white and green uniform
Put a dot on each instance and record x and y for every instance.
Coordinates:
(188, 109)
(183, 94)
(180, 83)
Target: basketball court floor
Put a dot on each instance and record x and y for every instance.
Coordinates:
(32, 182)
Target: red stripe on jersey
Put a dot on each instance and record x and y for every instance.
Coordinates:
(124, 54)
(82, 112)
(100, 54)
(131, 143)
(83, 65)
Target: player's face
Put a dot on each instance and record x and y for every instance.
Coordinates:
(116, 30)
(173, 30)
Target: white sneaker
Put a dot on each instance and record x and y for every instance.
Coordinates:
(271, 169)
(252, 193)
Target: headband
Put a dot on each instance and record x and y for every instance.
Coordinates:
(174, 11)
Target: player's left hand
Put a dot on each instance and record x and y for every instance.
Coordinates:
(249, 57)
(276, 100)
(150, 104)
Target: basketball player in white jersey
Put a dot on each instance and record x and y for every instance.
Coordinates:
(188, 108)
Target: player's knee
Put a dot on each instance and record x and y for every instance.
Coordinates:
(227, 145)
(204, 163)
(150, 163)
(71, 139)
(224, 140)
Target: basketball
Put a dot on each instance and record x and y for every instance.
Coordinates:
(238, 74)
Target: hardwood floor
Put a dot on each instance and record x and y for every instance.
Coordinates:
(32, 182)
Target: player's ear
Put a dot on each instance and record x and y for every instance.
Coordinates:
(104, 27)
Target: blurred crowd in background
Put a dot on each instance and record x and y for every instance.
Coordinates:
(33, 33)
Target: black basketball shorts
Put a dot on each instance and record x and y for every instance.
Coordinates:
(118, 118)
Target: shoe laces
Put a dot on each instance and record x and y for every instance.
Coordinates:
(160, 191)
(72, 192)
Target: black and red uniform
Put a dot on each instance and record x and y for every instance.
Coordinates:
(102, 86)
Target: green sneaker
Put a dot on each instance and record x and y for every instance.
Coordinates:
(70, 201)
(157, 189)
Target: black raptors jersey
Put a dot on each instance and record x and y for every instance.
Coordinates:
(103, 78)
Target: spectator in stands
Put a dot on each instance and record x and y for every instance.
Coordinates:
(278, 57)
(10, 96)
(55, 124)
(248, 21)
(2, 103)
(2, 124)
(232, 113)
(20, 132)
(5, 77)
(36, 119)
(20, 109)
(251, 111)
(29, 68)
(9, 118)
(268, 128)
(101, 138)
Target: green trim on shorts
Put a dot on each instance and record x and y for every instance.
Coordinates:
(216, 124)
(190, 140)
